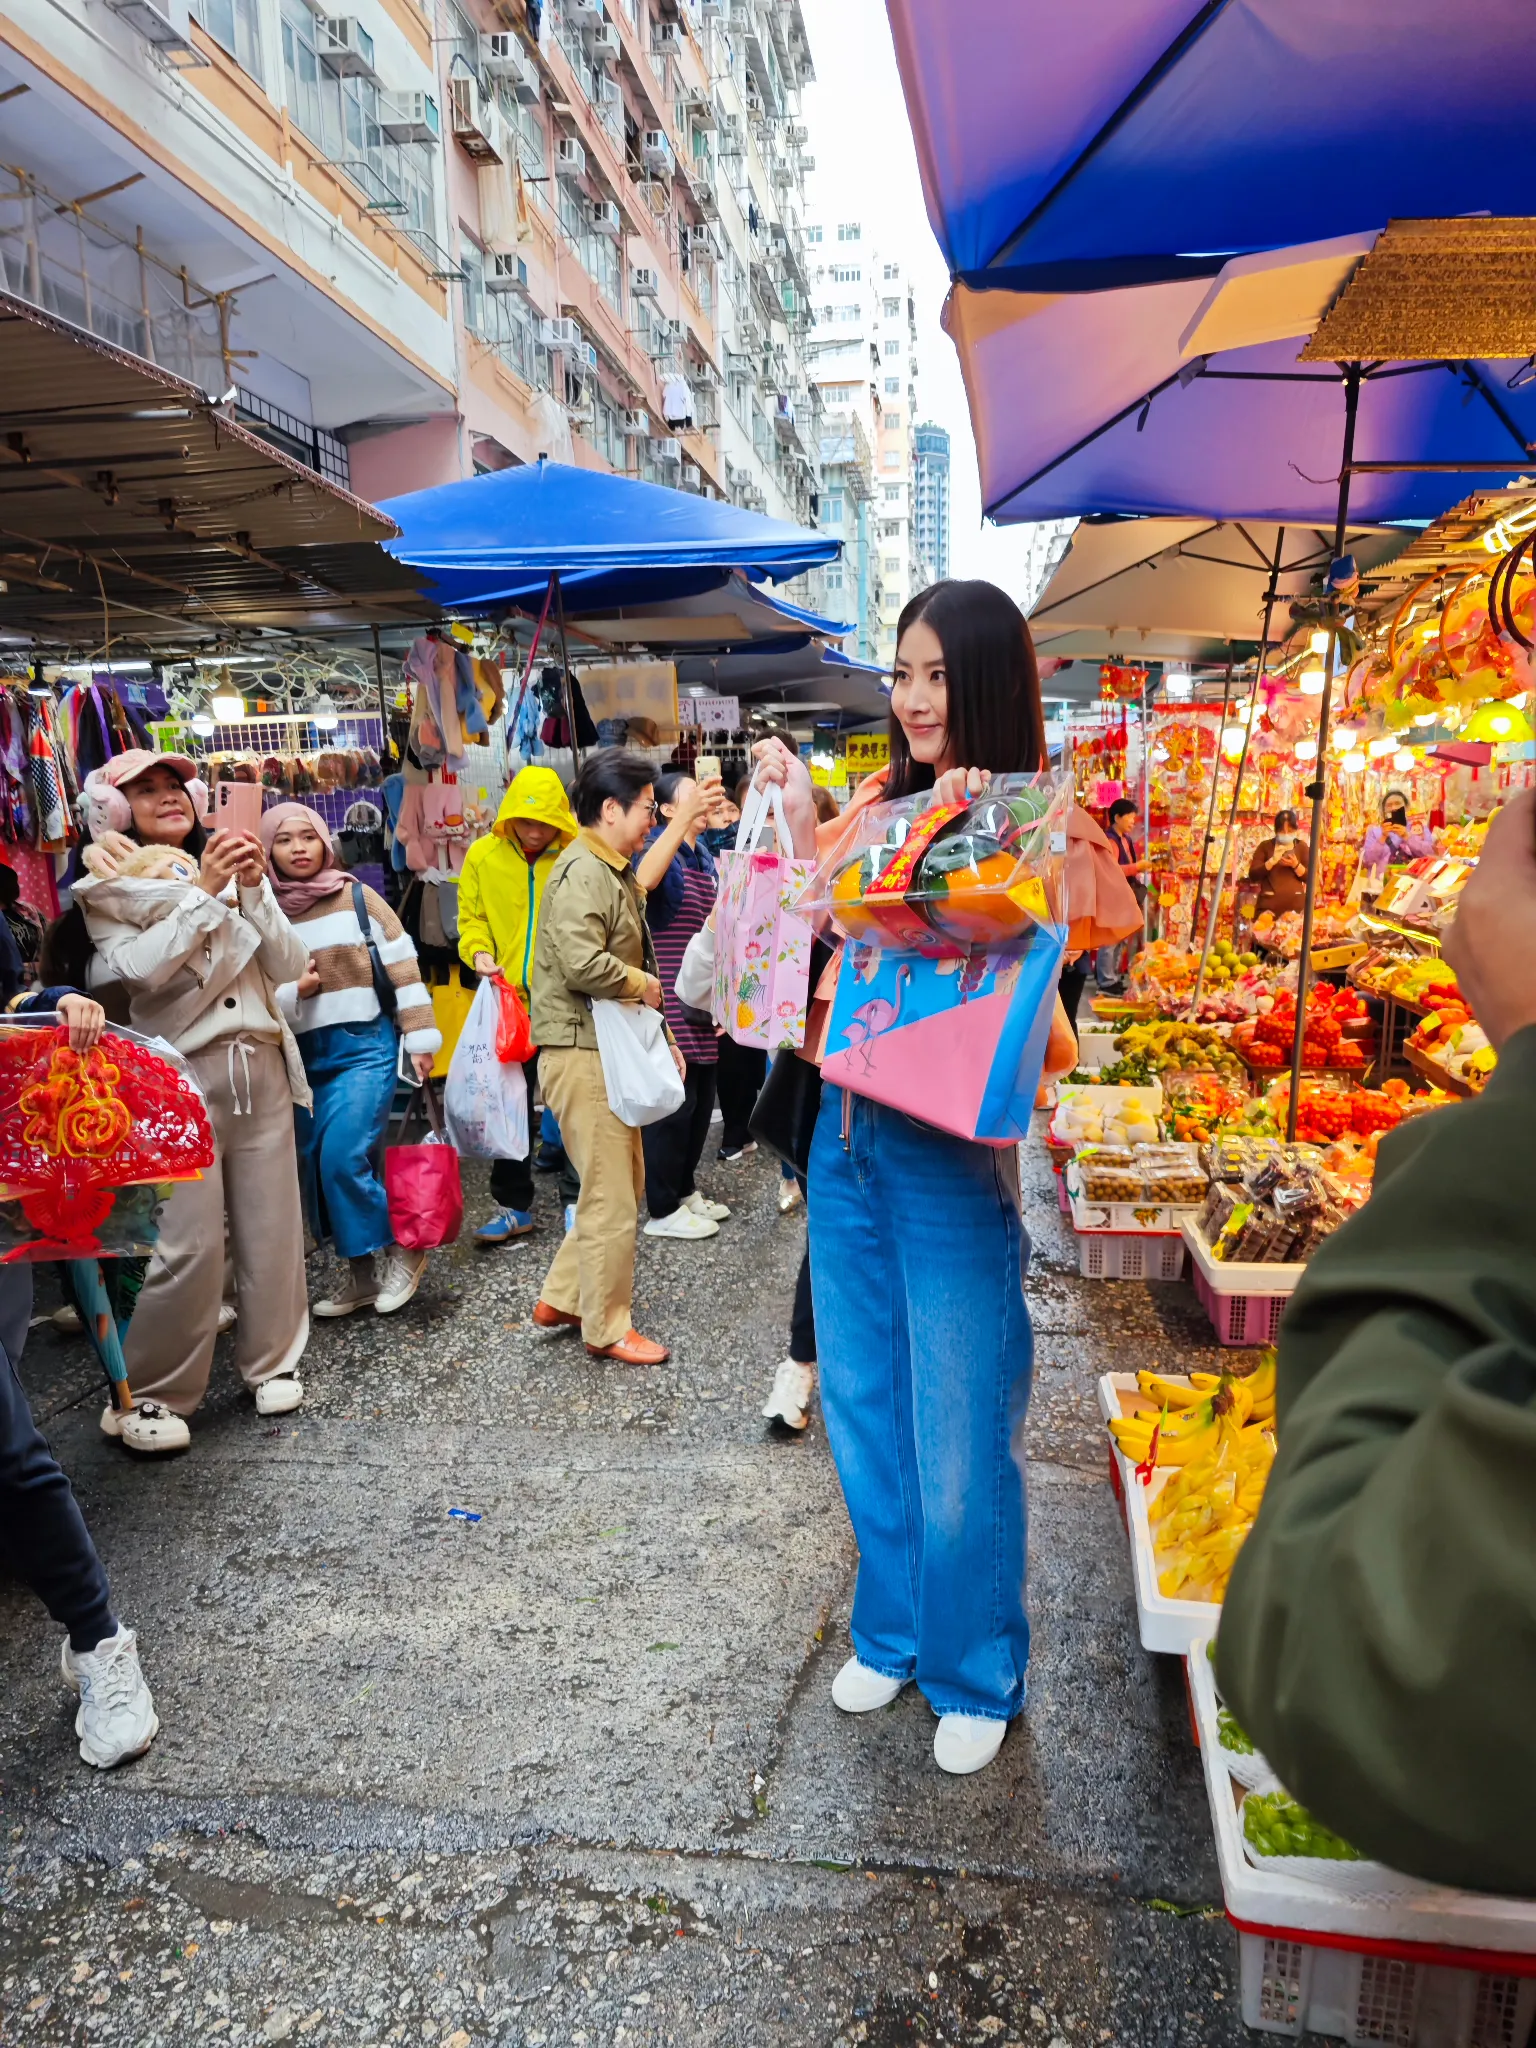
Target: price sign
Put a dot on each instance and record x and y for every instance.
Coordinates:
(866, 751)
(710, 714)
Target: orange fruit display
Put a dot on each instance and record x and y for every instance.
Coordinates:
(858, 919)
(976, 906)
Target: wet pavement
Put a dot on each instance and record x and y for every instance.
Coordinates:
(571, 1774)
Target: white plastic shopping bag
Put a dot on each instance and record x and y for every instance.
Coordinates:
(638, 1068)
(485, 1103)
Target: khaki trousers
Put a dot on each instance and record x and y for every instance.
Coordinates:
(254, 1178)
(593, 1274)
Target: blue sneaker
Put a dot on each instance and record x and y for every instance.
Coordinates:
(505, 1226)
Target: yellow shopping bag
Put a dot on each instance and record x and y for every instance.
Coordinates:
(450, 1006)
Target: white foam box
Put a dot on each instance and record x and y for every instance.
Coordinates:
(1167, 1626)
(1358, 1951)
(1096, 1045)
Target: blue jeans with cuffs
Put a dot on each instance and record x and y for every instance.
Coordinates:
(918, 1251)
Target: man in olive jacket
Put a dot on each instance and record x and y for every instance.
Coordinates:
(593, 941)
(1379, 1636)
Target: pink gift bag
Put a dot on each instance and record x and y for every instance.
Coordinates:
(762, 948)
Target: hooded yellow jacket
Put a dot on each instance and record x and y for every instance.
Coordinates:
(500, 889)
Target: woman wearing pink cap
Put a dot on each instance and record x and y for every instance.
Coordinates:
(199, 943)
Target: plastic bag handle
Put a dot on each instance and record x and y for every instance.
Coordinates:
(754, 816)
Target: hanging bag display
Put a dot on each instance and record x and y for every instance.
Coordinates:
(422, 1183)
(762, 945)
(639, 1071)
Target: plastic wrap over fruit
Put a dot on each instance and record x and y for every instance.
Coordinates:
(91, 1142)
(947, 879)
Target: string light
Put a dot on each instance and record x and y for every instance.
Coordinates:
(1378, 747)
(1402, 761)
(1353, 761)
(1427, 718)
(1306, 750)
(1310, 682)
(1319, 641)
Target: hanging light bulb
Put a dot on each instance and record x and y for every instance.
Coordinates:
(202, 720)
(1233, 736)
(227, 704)
(1310, 682)
(1427, 718)
(1353, 761)
(1342, 738)
(1383, 745)
(325, 715)
(1306, 750)
(1319, 641)
(1403, 761)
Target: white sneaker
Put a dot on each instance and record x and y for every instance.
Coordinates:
(147, 1427)
(858, 1690)
(701, 1205)
(227, 1317)
(963, 1743)
(355, 1293)
(279, 1395)
(117, 1718)
(683, 1222)
(791, 1396)
(402, 1277)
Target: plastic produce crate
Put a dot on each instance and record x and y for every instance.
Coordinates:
(1164, 1624)
(1391, 1959)
(1117, 1255)
(1244, 1301)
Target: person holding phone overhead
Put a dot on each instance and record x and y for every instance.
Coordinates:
(200, 955)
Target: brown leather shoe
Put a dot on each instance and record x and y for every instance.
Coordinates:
(547, 1318)
(632, 1349)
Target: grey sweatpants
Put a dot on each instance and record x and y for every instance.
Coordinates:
(254, 1179)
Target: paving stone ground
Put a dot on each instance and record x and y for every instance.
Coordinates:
(572, 1774)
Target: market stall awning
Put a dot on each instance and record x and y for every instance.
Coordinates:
(1091, 402)
(733, 613)
(495, 540)
(1103, 145)
(1181, 589)
(813, 681)
(135, 512)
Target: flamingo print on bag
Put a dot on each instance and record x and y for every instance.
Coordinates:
(870, 1019)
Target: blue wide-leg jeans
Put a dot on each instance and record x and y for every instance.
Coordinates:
(351, 1069)
(918, 1252)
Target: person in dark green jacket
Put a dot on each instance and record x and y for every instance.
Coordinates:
(1378, 1639)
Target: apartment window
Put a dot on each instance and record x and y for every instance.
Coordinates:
(301, 69)
(893, 348)
(892, 493)
(892, 270)
(891, 459)
(849, 315)
(892, 419)
(893, 565)
(891, 308)
(849, 231)
(813, 234)
(846, 273)
(829, 312)
(234, 24)
(832, 508)
(893, 387)
(834, 577)
(890, 529)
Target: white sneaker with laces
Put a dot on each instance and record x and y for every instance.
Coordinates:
(280, 1395)
(117, 1718)
(701, 1205)
(858, 1690)
(790, 1399)
(963, 1743)
(354, 1293)
(147, 1427)
(402, 1277)
(683, 1222)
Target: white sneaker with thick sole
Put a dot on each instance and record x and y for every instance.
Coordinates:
(858, 1690)
(117, 1718)
(683, 1222)
(963, 1743)
(402, 1277)
(279, 1396)
(790, 1399)
(147, 1427)
(701, 1205)
(355, 1293)
(228, 1316)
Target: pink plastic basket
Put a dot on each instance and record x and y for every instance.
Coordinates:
(1061, 1193)
(1239, 1318)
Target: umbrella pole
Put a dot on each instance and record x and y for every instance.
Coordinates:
(1210, 816)
(1242, 763)
(565, 670)
(1317, 789)
(387, 749)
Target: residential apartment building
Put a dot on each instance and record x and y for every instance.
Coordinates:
(426, 237)
(895, 344)
(930, 500)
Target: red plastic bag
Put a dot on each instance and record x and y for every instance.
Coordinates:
(421, 1182)
(514, 1033)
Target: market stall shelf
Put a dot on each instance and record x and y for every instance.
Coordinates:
(1433, 1072)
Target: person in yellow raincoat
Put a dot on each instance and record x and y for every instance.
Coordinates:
(500, 891)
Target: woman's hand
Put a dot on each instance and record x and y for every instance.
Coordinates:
(86, 1021)
(250, 861)
(308, 983)
(679, 1062)
(776, 765)
(652, 996)
(106, 854)
(484, 964)
(423, 1062)
(956, 785)
(699, 806)
(221, 858)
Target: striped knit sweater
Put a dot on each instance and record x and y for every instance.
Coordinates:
(335, 943)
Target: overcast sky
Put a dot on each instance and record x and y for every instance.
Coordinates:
(866, 169)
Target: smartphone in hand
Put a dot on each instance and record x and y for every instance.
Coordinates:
(237, 807)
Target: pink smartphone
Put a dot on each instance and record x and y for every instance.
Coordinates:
(236, 807)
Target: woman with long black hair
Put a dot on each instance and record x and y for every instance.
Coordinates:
(918, 1251)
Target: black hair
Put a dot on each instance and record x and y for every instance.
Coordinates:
(1284, 818)
(995, 716)
(64, 958)
(668, 782)
(1122, 807)
(609, 772)
(10, 885)
(1402, 798)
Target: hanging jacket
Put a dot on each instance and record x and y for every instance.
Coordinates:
(500, 889)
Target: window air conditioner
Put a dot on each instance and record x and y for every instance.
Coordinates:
(507, 274)
(409, 117)
(656, 150)
(586, 13)
(477, 124)
(502, 56)
(346, 48)
(642, 283)
(606, 47)
(562, 335)
(570, 157)
(693, 476)
(606, 219)
(637, 422)
(165, 24)
(668, 451)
